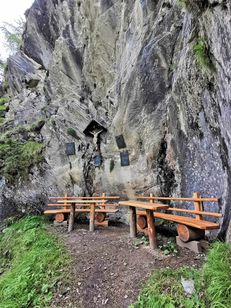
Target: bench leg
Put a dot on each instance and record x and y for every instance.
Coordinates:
(92, 218)
(71, 218)
(151, 229)
(133, 227)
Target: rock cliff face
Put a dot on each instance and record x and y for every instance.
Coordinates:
(157, 72)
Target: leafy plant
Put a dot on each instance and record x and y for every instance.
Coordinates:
(3, 100)
(202, 54)
(169, 248)
(32, 264)
(141, 241)
(72, 132)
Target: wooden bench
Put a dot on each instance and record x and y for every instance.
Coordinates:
(66, 207)
(188, 228)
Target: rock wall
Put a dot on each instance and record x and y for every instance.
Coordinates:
(155, 71)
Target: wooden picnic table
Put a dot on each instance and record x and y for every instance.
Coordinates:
(149, 207)
(72, 203)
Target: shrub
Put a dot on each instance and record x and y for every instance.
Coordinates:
(202, 54)
(3, 100)
(72, 132)
(17, 158)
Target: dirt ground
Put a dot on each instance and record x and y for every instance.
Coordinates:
(109, 268)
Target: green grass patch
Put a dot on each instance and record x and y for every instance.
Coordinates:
(16, 158)
(212, 284)
(3, 100)
(202, 55)
(32, 264)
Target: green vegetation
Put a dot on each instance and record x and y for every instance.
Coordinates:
(16, 158)
(72, 132)
(202, 55)
(112, 165)
(37, 126)
(3, 109)
(212, 284)
(3, 100)
(32, 264)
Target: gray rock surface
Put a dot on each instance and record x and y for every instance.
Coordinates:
(157, 72)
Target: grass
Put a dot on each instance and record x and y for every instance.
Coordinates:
(16, 158)
(3, 100)
(202, 55)
(212, 284)
(33, 264)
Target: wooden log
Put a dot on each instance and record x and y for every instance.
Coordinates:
(151, 229)
(100, 217)
(142, 221)
(133, 227)
(71, 218)
(187, 234)
(59, 217)
(92, 218)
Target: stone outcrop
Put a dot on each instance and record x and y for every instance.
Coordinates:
(156, 71)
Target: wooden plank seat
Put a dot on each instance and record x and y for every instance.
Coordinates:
(192, 222)
(187, 225)
(47, 212)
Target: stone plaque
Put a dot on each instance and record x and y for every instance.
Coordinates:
(120, 142)
(124, 159)
(97, 160)
(70, 148)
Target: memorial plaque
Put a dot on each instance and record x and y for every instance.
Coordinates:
(98, 160)
(120, 142)
(70, 148)
(124, 159)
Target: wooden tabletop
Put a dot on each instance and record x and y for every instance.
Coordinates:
(144, 205)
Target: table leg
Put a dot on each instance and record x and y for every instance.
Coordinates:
(151, 229)
(92, 218)
(71, 218)
(133, 227)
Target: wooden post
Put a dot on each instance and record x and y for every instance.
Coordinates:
(65, 200)
(92, 217)
(151, 229)
(104, 199)
(197, 206)
(71, 218)
(133, 227)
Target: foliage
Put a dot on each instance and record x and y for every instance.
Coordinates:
(32, 263)
(3, 100)
(16, 158)
(72, 132)
(37, 126)
(13, 34)
(112, 165)
(212, 284)
(169, 248)
(202, 54)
